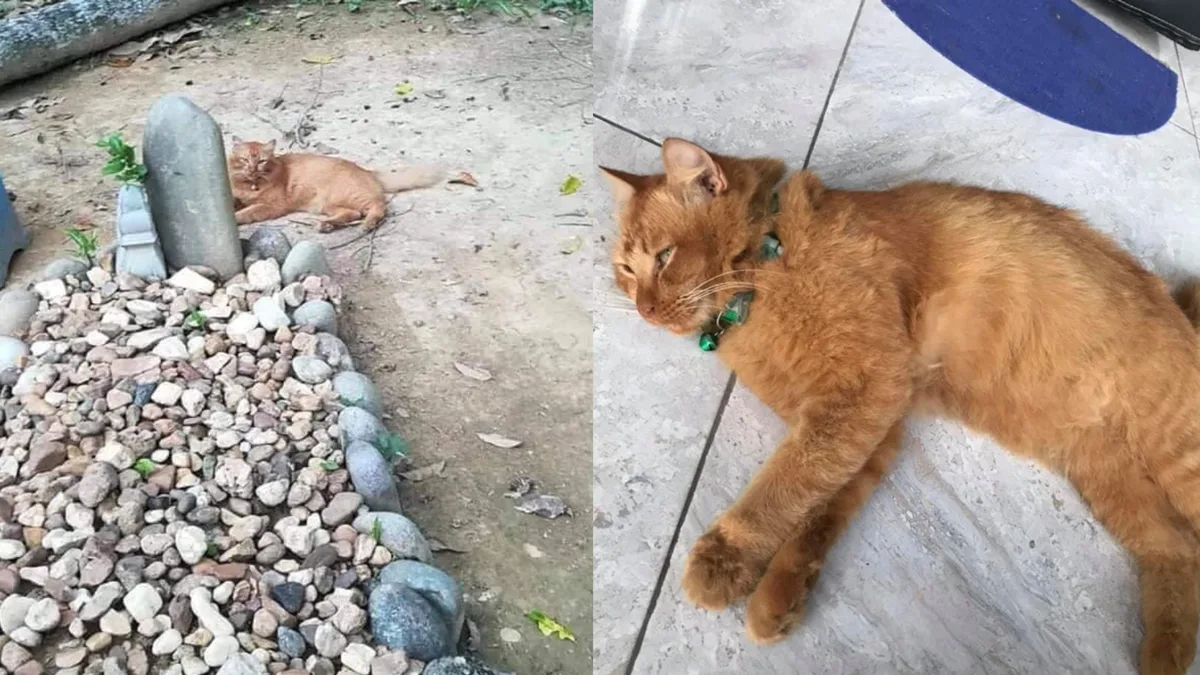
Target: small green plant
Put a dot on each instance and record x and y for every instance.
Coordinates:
(376, 530)
(346, 401)
(195, 319)
(354, 5)
(211, 550)
(329, 465)
(391, 446)
(144, 467)
(85, 244)
(122, 160)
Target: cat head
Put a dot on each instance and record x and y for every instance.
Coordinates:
(684, 232)
(251, 161)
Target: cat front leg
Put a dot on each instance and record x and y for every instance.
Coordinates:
(256, 213)
(819, 457)
(777, 603)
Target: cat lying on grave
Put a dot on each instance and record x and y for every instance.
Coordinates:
(847, 311)
(267, 186)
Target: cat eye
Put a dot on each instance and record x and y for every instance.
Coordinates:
(663, 256)
(626, 269)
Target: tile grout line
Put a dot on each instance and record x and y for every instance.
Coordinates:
(622, 127)
(712, 434)
(687, 505)
(833, 84)
(1187, 98)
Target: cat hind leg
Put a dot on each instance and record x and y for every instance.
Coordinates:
(1137, 511)
(338, 218)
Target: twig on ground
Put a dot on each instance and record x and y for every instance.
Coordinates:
(577, 62)
(298, 133)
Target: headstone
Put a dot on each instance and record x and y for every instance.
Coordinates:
(188, 186)
(138, 250)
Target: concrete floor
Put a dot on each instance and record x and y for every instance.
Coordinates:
(966, 560)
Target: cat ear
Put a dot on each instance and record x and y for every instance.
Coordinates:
(624, 185)
(270, 146)
(688, 165)
(237, 141)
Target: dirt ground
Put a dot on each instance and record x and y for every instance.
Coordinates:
(496, 277)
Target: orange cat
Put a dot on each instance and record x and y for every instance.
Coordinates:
(266, 186)
(992, 308)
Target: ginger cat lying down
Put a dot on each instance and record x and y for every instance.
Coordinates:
(992, 308)
(267, 186)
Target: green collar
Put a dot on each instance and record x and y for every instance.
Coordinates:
(737, 310)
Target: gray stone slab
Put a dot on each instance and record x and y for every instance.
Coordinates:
(654, 399)
(707, 71)
(1189, 71)
(966, 560)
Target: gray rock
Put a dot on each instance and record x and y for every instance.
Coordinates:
(267, 242)
(458, 665)
(356, 389)
(319, 314)
(341, 508)
(372, 477)
(311, 370)
(98, 480)
(333, 351)
(328, 641)
(270, 313)
(291, 642)
(13, 612)
(12, 351)
(397, 534)
(242, 663)
(263, 275)
(437, 587)
(63, 267)
(305, 258)
(357, 424)
(17, 307)
(188, 187)
(402, 618)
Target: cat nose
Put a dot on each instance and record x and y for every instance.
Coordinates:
(646, 309)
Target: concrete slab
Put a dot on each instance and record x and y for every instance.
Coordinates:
(965, 560)
(703, 70)
(655, 396)
(1189, 71)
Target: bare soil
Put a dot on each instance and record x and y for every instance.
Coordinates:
(495, 277)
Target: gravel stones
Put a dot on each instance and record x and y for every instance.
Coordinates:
(397, 533)
(311, 370)
(270, 313)
(290, 642)
(191, 543)
(13, 611)
(355, 389)
(191, 280)
(357, 424)
(12, 352)
(372, 477)
(99, 479)
(267, 242)
(264, 275)
(403, 619)
(438, 588)
(17, 307)
(207, 613)
(341, 508)
(289, 595)
(143, 602)
(306, 258)
(319, 314)
(43, 615)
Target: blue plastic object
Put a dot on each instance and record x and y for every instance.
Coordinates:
(1051, 56)
(13, 236)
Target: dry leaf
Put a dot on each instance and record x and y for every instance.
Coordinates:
(472, 372)
(464, 178)
(425, 472)
(519, 487)
(573, 244)
(499, 441)
(319, 59)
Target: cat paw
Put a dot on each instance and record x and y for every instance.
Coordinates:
(716, 572)
(773, 610)
(325, 226)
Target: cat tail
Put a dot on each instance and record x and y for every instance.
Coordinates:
(409, 178)
(1187, 296)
